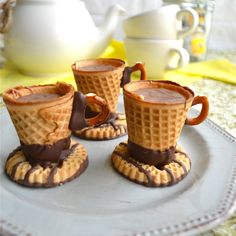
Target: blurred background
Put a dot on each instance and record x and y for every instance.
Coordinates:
(223, 24)
(222, 35)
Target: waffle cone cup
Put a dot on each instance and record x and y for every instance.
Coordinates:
(42, 122)
(104, 83)
(151, 125)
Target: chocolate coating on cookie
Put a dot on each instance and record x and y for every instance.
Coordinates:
(114, 127)
(151, 157)
(24, 173)
(133, 170)
(127, 157)
(42, 154)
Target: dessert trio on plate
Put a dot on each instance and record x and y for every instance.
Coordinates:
(44, 117)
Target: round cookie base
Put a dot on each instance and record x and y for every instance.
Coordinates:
(19, 170)
(149, 175)
(105, 131)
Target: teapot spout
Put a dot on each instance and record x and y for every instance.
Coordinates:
(109, 24)
(111, 19)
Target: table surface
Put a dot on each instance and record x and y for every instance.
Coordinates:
(222, 98)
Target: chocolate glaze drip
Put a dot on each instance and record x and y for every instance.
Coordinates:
(65, 154)
(53, 171)
(151, 157)
(117, 126)
(140, 168)
(126, 76)
(42, 154)
(46, 164)
(182, 165)
(77, 120)
(14, 169)
(111, 119)
(150, 181)
(53, 184)
(83, 135)
(28, 173)
(183, 153)
(51, 175)
(172, 177)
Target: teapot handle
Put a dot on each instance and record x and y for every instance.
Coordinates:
(6, 15)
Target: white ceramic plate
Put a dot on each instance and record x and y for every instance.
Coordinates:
(101, 202)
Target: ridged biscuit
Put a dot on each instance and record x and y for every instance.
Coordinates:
(105, 131)
(20, 170)
(149, 175)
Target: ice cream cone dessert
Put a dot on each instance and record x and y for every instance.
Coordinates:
(156, 112)
(41, 116)
(102, 77)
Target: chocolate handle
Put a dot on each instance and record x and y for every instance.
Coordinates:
(204, 112)
(130, 69)
(80, 102)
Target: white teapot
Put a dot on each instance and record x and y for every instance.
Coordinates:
(47, 36)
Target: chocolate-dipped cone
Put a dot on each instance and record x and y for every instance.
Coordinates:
(154, 127)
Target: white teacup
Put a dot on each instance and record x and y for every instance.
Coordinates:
(161, 23)
(158, 55)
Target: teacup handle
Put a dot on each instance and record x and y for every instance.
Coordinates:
(204, 111)
(7, 9)
(184, 57)
(195, 20)
(130, 69)
(80, 102)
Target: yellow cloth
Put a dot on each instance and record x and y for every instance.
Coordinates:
(10, 77)
(220, 69)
